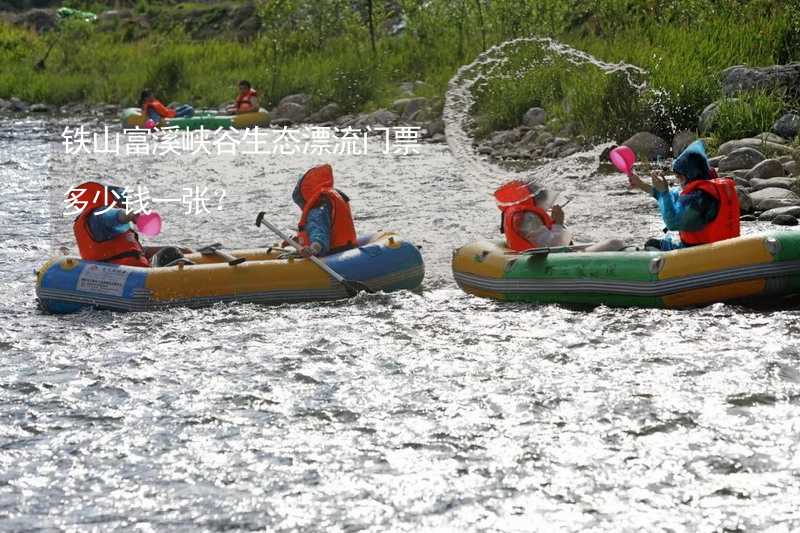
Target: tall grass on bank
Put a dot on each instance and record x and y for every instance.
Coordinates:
(323, 48)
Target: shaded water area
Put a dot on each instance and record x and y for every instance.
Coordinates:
(403, 412)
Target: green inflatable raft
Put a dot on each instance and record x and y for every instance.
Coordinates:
(133, 118)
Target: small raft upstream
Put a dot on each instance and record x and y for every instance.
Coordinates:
(133, 118)
(755, 269)
(382, 262)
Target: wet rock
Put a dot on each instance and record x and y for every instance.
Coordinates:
(769, 168)
(781, 183)
(772, 213)
(709, 114)
(326, 113)
(792, 168)
(649, 146)
(765, 147)
(534, 116)
(740, 78)
(784, 220)
(772, 197)
(681, 140)
(406, 107)
(741, 158)
(435, 127)
(745, 201)
(748, 218)
(40, 108)
(788, 126)
(291, 111)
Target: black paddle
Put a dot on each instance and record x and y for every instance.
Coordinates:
(352, 287)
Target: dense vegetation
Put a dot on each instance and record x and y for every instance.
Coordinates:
(336, 51)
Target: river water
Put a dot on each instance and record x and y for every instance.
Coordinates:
(430, 411)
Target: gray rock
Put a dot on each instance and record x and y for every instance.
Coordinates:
(741, 173)
(771, 138)
(326, 113)
(40, 108)
(280, 122)
(381, 117)
(681, 140)
(435, 127)
(505, 137)
(768, 148)
(740, 78)
(709, 115)
(438, 138)
(745, 201)
(714, 161)
(289, 111)
(741, 182)
(748, 218)
(792, 168)
(299, 99)
(785, 220)
(769, 168)
(772, 213)
(741, 158)
(425, 114)
(17, 105)
(773, 197)
(406, 107)
(788, 126)
(649, 146)
(534, 116)
(782, 183)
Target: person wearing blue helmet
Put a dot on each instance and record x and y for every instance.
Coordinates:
(703, 209)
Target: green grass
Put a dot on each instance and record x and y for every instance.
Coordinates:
(322, 48)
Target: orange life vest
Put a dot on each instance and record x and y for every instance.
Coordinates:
(514, 198)
(243, 99)
(123, 249)
(726, 224)
(315, 185)
(159, 108)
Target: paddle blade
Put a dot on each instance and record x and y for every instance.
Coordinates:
(623, 158)
(148, 224)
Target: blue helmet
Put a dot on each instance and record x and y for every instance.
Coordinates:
(693, 162)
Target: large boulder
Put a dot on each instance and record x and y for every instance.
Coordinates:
(785, 220)
(38, 20)
(745, 202)
(299, 99)
(773, 197)
(504, 137)
(326, 113)
(771, 138)
(769, 168)
(289, 111)
(681, 140)
(741, 158)
(782, 183)
(534, 116)
(765, 147)
(380, 118)
(788, 126)
(740, 78)
(767, 216)
(648, 146)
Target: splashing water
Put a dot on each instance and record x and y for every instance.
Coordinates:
(459, 101)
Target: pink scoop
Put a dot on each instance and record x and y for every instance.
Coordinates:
(623, 158)
(148, 224)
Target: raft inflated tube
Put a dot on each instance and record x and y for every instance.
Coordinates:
(383, 262)
(133, 118)
(758, 269)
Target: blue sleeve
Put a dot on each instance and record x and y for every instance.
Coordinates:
(682, 212)
(105, 226)
(318, 227)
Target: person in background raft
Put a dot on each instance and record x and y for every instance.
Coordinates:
(704, 209)
(326, 223)
(526, 223)
(103, 229)
(154, 110)
(246, 101)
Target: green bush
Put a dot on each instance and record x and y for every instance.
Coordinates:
(747, 115)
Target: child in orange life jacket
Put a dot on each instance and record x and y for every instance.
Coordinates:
(704, 209)
(246, 101)
(156, 111)
(527, 224)
(103, 229)
(326, 223)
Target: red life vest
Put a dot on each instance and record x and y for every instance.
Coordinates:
(243, 99)
(726, 224)
(159, 108)
(514, 198)
(315, 185)
(123, 249)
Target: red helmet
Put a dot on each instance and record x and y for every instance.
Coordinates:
(91, 195)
